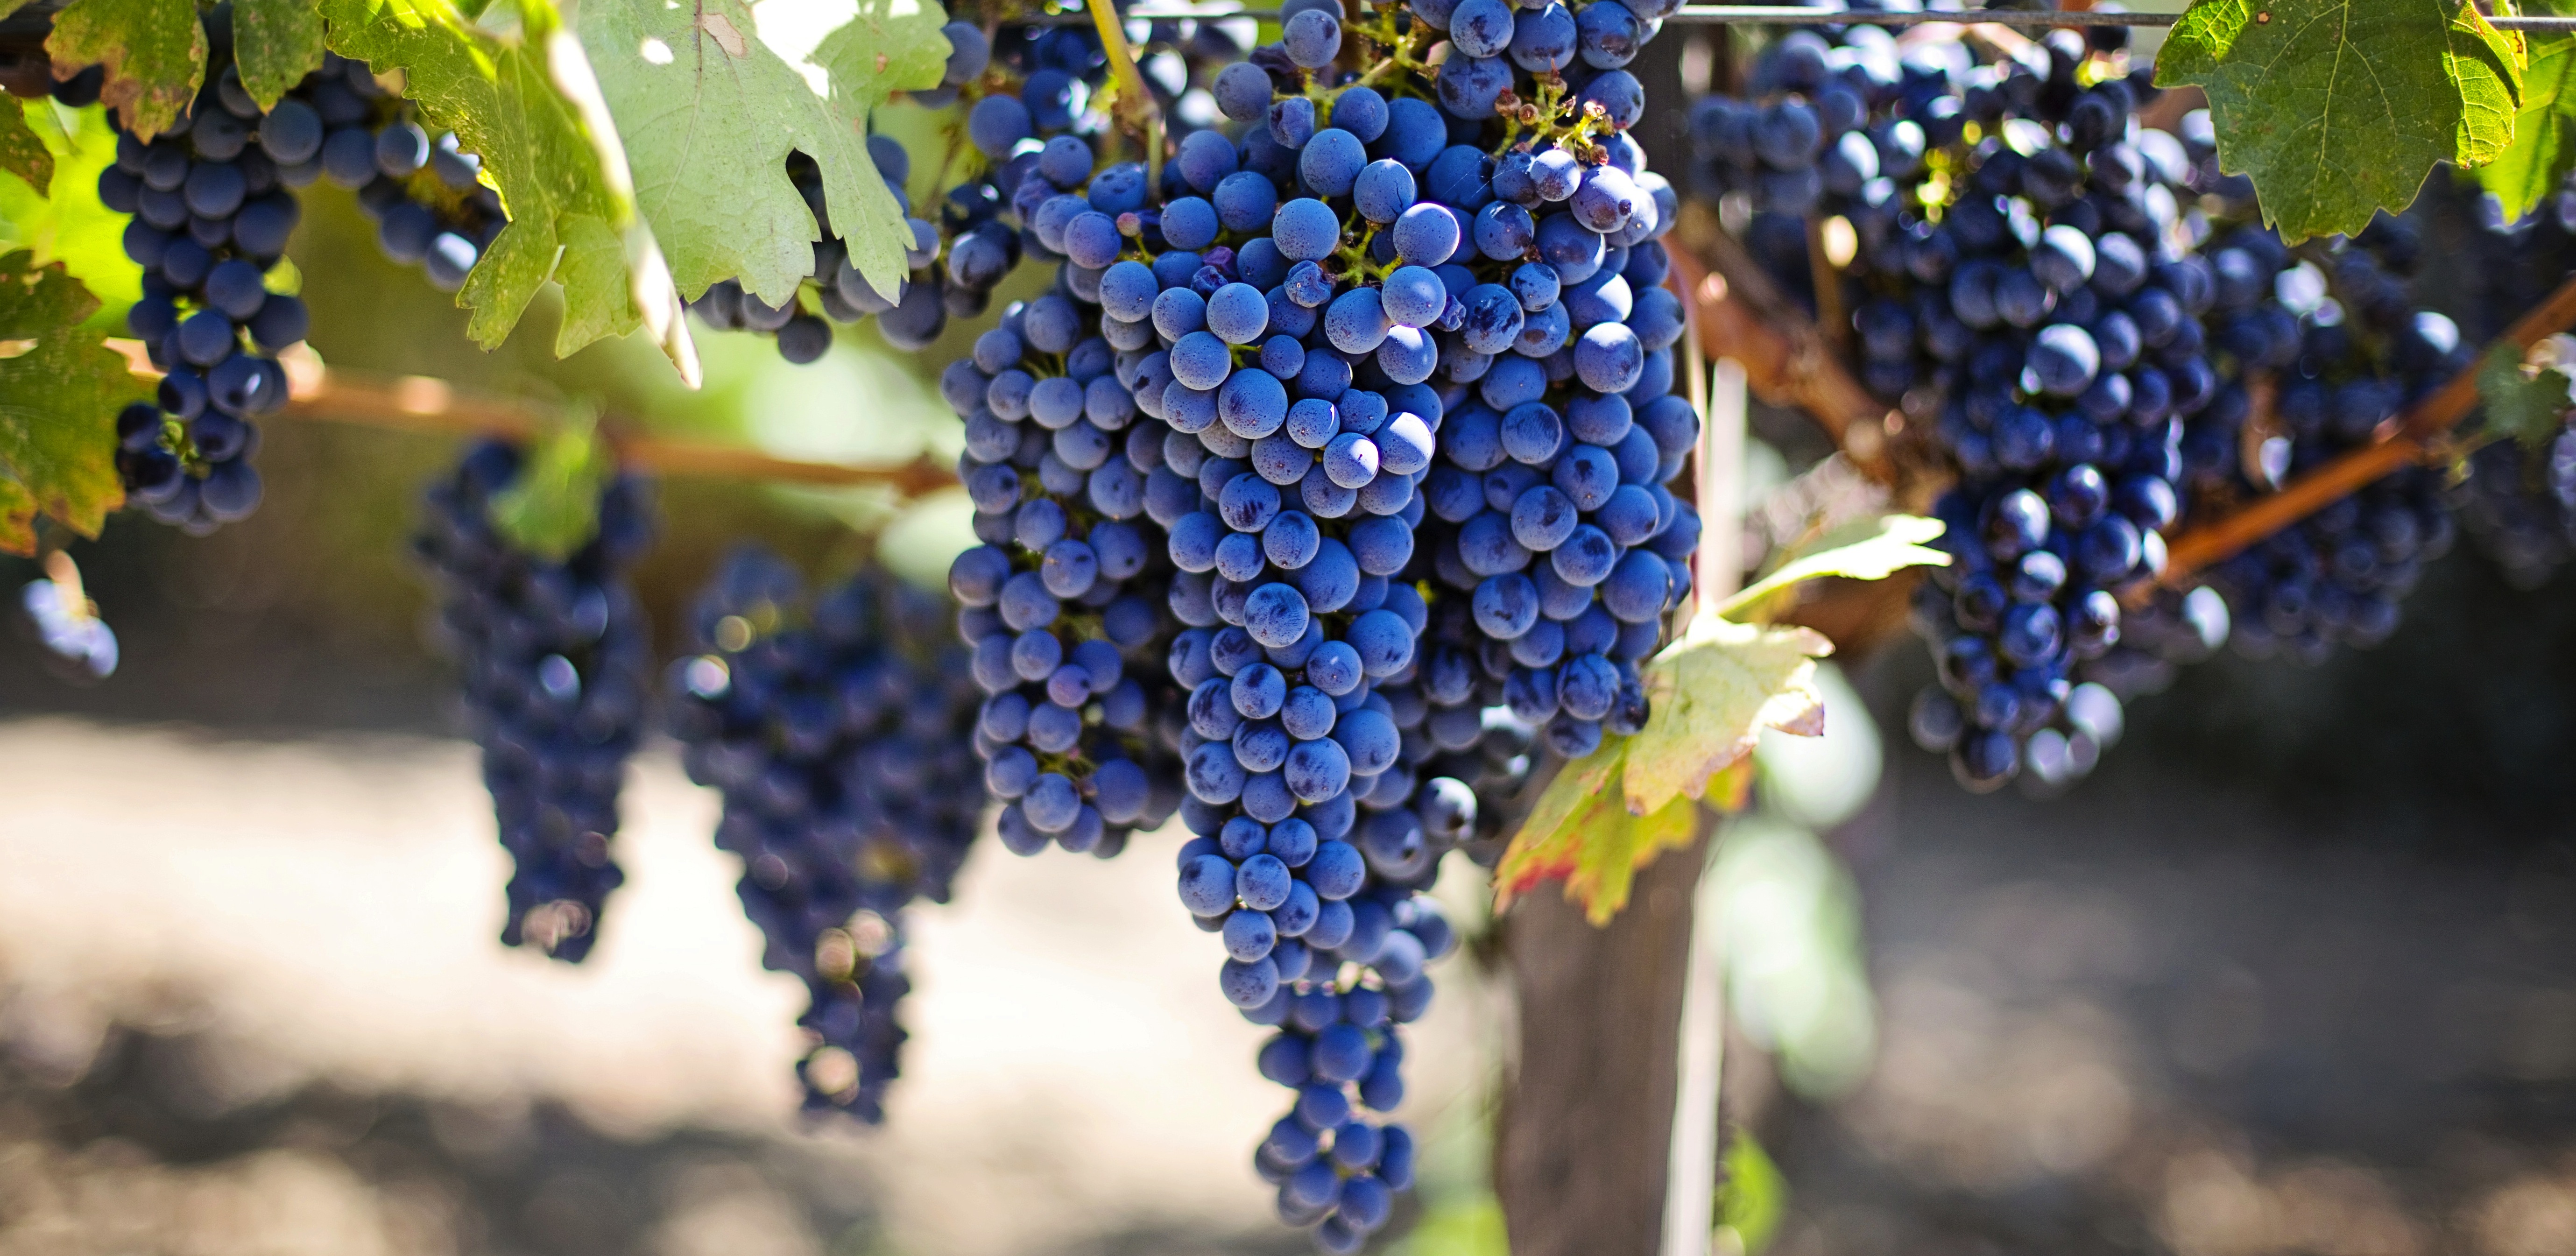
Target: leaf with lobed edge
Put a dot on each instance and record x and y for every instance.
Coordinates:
(275, 44)
(527, 106)
(708, 110)
(154, 50)
(2542, 154)
(1713, 692)
(59, 394)
(2338, 109)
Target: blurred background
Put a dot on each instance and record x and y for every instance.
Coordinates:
(2294, 972)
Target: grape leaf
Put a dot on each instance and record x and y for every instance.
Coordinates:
(59, 393)
(154, 51)
(86, 237)
(893, 45)
(275, 44)
(2542, 154)
(2529, 407)
(1583, 837)
(2339, 108)
(1714, 691)
(21, 152)
(552, 509)
(525, 104)
(708, 111)
(1899, 544)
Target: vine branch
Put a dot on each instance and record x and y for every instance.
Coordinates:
(419, 403)
(2406, 441)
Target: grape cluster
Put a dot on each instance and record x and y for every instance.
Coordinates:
(1062, 601)
(2347, 351)
(839, 735)
(213, 203)
(211, 218)
(2520, 504)
(840, 291)
(1387, 381)
(556, 662)
(2017, 282)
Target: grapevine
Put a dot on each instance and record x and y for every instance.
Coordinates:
(1325, 415)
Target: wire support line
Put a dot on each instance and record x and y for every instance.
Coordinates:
(1793, 15)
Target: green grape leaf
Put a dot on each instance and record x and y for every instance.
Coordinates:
(708, 110)
(893, 45)
(552, 509)
(275, 44)
(154, 51)
(60, 390)
(1581, 835)
(2528, 406)
(74, 229)
(1712, 694)
(1755, 1197)
(2542, 154)
(2339, 108)
(22, 152)
(1899, 544)
(527, 105)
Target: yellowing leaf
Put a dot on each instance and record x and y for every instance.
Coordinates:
(708, 116)
(2339, 108)
(59, 394)
(154, 51)
(275, 44)
(1713, 692)
(1593, 845)
(21, 152)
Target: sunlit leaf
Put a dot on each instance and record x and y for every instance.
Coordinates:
(519, 104)
(1714, 691)
(1581, 834)
(708, 110)
(22, 153)
(2338, 109)
(1900, 542)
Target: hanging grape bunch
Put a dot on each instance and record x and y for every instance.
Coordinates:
(842, 294)
(556, 660)
(2346, 349)
(1063, 601)
(837, 733)
(214, 204)
(2029, 297)
(1302, 319)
